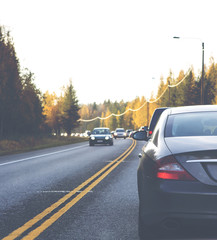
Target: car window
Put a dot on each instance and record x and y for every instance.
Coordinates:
(100, 131)
(155, 117)
(192, 124)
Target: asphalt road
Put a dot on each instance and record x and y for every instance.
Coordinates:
(32, 182)
(72, 192)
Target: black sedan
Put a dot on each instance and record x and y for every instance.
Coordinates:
(100, 136)
(177, 174)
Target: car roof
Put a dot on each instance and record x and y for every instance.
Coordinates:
(101, 128)
(194, 108)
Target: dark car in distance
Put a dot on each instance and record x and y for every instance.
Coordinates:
(100, 136)
(177, 174)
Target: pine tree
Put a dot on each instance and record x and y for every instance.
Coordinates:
(10, 86)
(190, 90)
(162, 102)
(179, 90)
(31, 117)
(211, 84)
(70, 114)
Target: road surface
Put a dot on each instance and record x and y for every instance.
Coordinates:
(71, 192)
(32, 183)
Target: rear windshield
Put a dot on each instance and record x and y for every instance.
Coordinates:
(100, 131)
(120, 130)
(192, 124)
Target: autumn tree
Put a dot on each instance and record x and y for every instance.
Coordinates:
(139, 116)
(49, 101)
(108, 120)
(84, 112)
(52, 110)
(128, 117)
(150, 108)
(102, 120)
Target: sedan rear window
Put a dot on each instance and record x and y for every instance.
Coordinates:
(192, 124)
(100, 131)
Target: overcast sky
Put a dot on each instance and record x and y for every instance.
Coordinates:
(114, 49)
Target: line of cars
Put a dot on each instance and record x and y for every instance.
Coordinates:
(177, 173)
(105, 136)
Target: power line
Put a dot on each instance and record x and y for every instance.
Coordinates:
(135, 110)
(113, 114)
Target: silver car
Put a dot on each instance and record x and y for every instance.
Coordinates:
(120, 133)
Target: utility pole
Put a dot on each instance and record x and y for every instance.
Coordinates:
(147, 113)
(202, 77)
(169, 93)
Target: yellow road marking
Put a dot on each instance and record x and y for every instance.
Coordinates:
(53, 218)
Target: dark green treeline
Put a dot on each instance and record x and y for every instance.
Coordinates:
(21, 102)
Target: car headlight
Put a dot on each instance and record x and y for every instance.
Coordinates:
(107, 138)
(92, 138)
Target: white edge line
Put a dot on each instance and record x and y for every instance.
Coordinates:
(43, 155)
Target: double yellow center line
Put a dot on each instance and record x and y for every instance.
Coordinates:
(88, 184)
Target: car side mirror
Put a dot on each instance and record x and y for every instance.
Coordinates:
(140, 135)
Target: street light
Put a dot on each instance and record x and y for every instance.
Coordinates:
(202, 77)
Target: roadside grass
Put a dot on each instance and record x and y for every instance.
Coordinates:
(26, 144)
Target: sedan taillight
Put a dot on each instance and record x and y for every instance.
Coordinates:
(169, 168)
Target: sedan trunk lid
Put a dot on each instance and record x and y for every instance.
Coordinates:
(198, 155)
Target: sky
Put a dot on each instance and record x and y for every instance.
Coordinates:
(110, 49)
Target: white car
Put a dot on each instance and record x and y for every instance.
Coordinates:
(120, 133)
